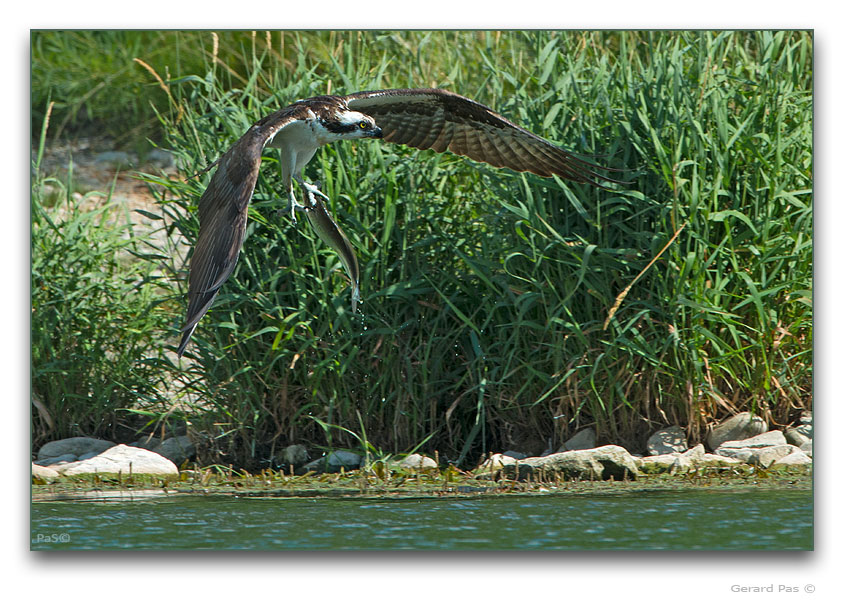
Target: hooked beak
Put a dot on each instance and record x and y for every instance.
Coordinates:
(376, 132)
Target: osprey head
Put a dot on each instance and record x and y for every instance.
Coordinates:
(350, 125)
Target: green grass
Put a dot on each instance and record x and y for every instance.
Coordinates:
(485, 292)
(96, 334)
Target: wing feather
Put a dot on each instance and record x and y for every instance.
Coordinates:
(223, 210)
(441, 120)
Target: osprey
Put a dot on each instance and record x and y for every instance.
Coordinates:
(422, 118)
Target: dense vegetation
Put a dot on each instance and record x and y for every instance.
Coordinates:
(499, 309)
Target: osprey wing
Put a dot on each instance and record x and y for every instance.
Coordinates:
(441, 120)
(222, 217)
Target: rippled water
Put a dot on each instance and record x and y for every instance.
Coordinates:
(655, 520)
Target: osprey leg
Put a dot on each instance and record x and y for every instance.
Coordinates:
(312, 189)
(293, 206)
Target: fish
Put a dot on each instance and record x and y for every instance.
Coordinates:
(331, 234)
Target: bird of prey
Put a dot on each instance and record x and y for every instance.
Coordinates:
(422, 118)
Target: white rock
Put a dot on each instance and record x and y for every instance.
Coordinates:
(664, 460)
(44, 473)
(765, 457)
(807, 447)
(124, 460)
(739, 454)
(795, 458)
(695, 453)
(692, 458)
(604, 462)
(418, 462)
(771, 438)
(760, 454)
(496, 461)
(713, 460)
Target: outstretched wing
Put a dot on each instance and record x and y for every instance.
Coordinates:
(222, 217)
(441, 120)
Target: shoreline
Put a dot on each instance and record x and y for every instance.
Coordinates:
(409, 485)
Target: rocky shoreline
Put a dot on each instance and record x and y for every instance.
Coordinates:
(742, 439)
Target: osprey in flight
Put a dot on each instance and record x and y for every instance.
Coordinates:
(421, 118)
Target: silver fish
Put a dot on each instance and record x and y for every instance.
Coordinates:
(331, 234)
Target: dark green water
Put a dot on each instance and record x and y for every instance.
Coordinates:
(655, 520)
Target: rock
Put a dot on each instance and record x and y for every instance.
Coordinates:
(495, 463)
(64, 458)
(315, 466)
(604, 462)
(693, 458)
(737, 427)
(806, 418)
(582, 440)
(695, 453)
(658, 463)
(87, 455)
(74, 445)
(160, 158)
(342, 458)
(43, 474)
(796, 437)
(332, 463)
(807, 447)
(418, 462)
(713, 460)
(113, 159)
(765, 457)
(145, 442)
(740, 454)
(514, 454)
(763, 440)
(762, 450)
(668, 440)
(801, 433)
(178, 449)
(124, 460)
(294, 454)
(795, 458)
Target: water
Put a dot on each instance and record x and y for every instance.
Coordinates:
(654, 520)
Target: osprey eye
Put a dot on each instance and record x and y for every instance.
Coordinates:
(363, 125)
